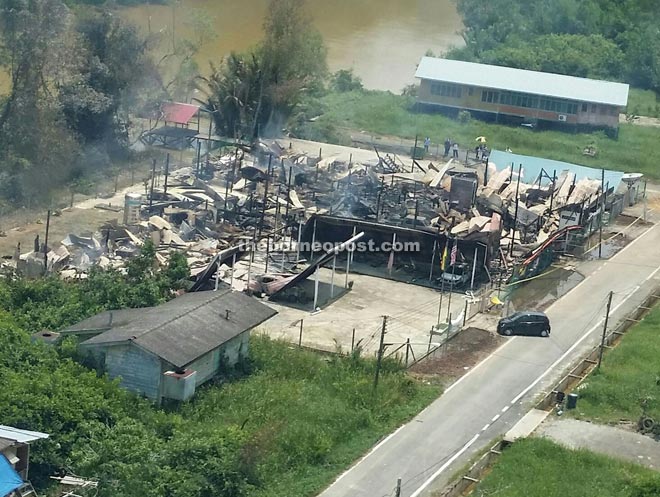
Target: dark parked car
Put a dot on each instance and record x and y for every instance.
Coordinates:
(529, 323)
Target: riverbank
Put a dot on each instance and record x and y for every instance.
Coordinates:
(383, 113)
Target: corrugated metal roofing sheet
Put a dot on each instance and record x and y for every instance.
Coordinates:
(520, 80)
(189, 326)
(18, 435)
(174, 112)
(531, 168)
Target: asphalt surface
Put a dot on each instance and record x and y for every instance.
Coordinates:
(486, 402)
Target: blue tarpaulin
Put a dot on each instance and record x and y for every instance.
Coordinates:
(9, 479)
(531, 168)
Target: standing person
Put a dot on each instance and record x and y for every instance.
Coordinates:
(455, 149)
(477, 149)
(427, 144)
(447, 146)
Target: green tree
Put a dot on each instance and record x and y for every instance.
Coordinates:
(257, 92)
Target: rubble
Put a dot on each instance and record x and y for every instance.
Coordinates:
(215, 209)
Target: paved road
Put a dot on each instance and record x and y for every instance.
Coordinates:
(487, 401)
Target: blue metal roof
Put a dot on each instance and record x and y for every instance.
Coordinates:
(531, 168)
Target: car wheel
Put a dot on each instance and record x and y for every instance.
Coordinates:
(544, 333)
(507, 332)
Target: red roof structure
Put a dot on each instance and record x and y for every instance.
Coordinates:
(178, 113)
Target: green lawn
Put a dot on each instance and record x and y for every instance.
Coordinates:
(386, 114)
(628, 376)
(643, 103)
(539, 468)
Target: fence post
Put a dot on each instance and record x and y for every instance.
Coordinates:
(407, 350)
(430, 338)
(300, 336)
(465, 313)
(353, 340)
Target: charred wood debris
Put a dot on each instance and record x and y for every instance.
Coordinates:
(216, 210)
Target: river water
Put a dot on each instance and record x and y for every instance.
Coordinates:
(381, 40)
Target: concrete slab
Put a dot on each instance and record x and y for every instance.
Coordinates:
(412, 311)
(609, 440)
(526, 426)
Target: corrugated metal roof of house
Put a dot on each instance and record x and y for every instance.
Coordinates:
(105, 320)
(176, 112)
(21, 436)
(189, 326)
(520, 80)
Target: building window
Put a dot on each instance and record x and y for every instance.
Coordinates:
(446, 90)
(470, 91)
(585, 107)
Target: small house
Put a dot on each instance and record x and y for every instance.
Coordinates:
(165, 352)
(15, 456)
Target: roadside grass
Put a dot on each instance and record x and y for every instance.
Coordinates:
(309, 416)
(629, 376)
(643, 103)
(384, 113)
(536, 467)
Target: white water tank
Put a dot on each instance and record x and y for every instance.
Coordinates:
(132, 205)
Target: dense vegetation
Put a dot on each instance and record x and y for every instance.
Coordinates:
(626, 387)
(286, 424)
(610, 39)
(256, 93)
(73, 77)
(363, 113)
(539, 468)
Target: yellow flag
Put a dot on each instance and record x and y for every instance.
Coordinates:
(443, 262)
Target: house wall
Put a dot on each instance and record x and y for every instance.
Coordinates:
(471, 98)
(138, 370)
(210, 364)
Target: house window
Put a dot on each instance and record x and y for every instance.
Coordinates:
(584, 107)
(470, 91)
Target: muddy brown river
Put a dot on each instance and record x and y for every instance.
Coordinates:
(381, 40)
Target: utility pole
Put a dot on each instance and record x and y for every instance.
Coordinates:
(602, 213)
(380, 352)
(602, 340)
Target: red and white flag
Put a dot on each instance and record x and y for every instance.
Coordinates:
(454, 253)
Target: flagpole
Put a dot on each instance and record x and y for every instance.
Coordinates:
(451, 289)
(443, 262)
(454, 253)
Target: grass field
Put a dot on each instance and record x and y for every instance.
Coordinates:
(539, 468)
(386, 114)
(643, 103)
(629, 376)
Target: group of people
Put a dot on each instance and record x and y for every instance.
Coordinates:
(482, 152)
(450, 146)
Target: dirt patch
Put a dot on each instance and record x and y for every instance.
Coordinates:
(457, 357)
(77, 221)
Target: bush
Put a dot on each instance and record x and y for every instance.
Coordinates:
(464, 117)
(345, 80)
